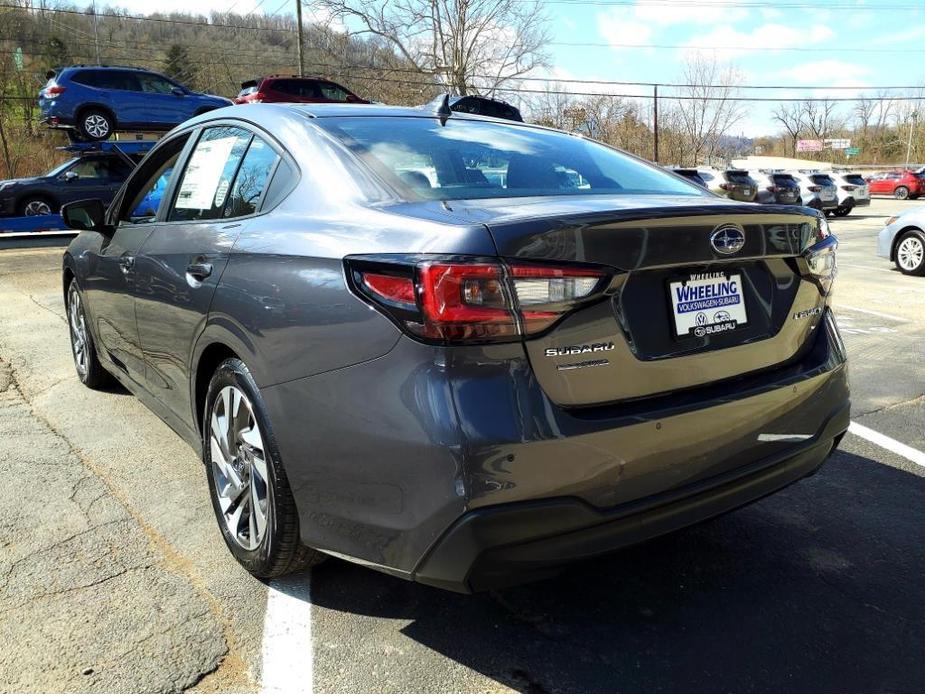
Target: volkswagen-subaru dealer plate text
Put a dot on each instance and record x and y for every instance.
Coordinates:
(707, 303)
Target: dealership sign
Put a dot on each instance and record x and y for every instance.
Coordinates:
(809, 145)
(838, 144)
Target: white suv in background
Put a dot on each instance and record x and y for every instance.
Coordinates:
(817, 190)
(852, 191)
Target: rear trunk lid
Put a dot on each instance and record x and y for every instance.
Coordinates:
(681, 310)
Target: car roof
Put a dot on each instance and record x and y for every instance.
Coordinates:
(333, 110)
(105, 67)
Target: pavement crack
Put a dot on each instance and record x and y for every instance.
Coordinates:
(884, 408)
(171, 559)
(47, 308)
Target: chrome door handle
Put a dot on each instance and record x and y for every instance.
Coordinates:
(199, 271)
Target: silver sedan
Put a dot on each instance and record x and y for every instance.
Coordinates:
(902, 241)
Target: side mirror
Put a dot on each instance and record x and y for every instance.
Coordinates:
(70, 176)
(86, 215)
(178, 91)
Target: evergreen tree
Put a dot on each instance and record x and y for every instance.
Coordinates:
(177, 65)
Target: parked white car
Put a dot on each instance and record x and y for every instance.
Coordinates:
(852, 191)
(902, 241)
(817, 190)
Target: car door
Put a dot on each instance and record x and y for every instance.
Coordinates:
(182, 261)
(109, 282)
(164, 105)
(93, 177)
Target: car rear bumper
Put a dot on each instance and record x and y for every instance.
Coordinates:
(497, 546)
(387, 457)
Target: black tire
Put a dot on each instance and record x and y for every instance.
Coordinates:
(843, 211)
(911, 242)
(901, 193)
(33, 205)
(90, 372)
(95, 124)
(280, 550)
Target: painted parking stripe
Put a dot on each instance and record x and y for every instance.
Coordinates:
(287, 637)
(892, 445)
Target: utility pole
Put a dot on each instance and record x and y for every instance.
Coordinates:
(298, 19)
(96, 33)
(911, 129)
(655, 120)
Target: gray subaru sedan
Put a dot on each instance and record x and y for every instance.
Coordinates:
(460, 350)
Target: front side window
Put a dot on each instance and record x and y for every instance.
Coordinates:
(478, 159)
(332, 92)
(209, 174)
(91, 168)
(155, 84)
(149, 182)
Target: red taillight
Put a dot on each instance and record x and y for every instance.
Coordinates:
(452, 301)
(257, 97)
(397, 290)
(53, 90)
(814, 189)
(774, 189)
(725, 186)
(849, 188)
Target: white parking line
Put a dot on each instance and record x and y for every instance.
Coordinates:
(898, 319)
(892, 445)
(287, 638)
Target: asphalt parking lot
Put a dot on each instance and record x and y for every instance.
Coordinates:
(113, 575)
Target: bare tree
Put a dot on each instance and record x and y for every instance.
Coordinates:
(709, 110)
(820, 117)
(468, 45)
(790, 115)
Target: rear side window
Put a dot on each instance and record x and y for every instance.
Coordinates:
(251, 181)
(85, 77)
(122, 80)
(304, 89)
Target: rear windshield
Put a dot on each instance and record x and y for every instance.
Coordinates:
(479, 159)
(738, 176)
(784, 180)
(855, 179)
(822, 180)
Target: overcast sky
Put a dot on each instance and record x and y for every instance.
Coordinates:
(769, 43)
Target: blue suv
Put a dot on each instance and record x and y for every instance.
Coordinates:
(96, 101)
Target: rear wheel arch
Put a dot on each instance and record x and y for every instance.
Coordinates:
(210, 358)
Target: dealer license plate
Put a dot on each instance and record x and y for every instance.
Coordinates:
(707, 304)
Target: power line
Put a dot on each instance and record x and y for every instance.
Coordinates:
(725, 47)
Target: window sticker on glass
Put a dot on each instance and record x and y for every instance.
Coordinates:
(203, 173)
(222, 192)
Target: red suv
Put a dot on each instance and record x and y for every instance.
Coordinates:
(901, 185)
(294, 89)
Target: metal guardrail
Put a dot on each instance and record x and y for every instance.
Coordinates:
(36, 239)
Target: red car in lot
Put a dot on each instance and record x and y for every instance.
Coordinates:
(294, 89)
(901, 185)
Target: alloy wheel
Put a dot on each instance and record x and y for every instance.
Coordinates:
(37, 207)
(910, 253)
(239, 467)
(96, 126)
(78, 330)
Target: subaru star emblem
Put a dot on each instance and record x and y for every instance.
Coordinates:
(727, 240)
